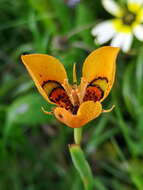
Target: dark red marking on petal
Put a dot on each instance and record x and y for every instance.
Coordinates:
(93, 93)
(60, 97)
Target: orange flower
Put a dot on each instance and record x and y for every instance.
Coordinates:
(76, 105)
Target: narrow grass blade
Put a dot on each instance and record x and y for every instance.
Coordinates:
(82, 166)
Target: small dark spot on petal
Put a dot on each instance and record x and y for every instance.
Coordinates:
(60, 116)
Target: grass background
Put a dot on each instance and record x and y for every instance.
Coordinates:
(33, 146)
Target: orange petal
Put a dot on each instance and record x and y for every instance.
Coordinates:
(43, 68)
(99, 67)
(87, 111)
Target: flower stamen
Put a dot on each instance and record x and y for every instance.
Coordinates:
(47, 112)
(82, 89)
(108, 110)
(68, 90)
(128, 18)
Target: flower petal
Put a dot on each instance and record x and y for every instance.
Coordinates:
(127, 43)
(138, 31)
(135, 2)
(87, 111)
(99, 68)
(46, 71)
(136, 7)
(104, 31)
(112, 7)
(122, 40)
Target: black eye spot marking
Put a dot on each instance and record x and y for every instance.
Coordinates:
(50, 81)
(40, 75)
(100, 78)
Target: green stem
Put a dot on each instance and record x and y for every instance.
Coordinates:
(82, 166)
(77, 135)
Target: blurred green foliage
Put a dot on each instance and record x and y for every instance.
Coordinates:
(33, 146)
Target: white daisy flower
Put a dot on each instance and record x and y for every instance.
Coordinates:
(122, 28)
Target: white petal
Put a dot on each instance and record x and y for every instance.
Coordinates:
(111, 6)
(117, 40)
(127, 42)
(105, 37)
(135, 1)
(123, 41)
(104, 32)
(138, 31)
(100, 28)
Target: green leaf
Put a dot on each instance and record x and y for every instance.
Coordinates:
(43, 8)
(97, 133)
(99, 184)
(26, 110)
(129, 90)
(139, 76)
(62, 14)
(82, 166)
(85, 17)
